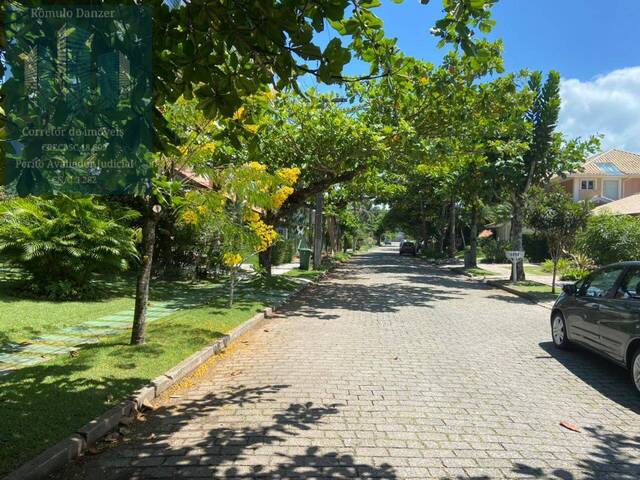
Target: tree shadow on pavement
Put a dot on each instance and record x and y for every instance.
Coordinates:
(615, 457)
(175, 443)
(374, 298)
(606, 377)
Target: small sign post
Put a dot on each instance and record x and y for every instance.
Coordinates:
(514, 256)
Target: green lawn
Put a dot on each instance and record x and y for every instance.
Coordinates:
(478, 272)
(45, 403)
(47, 316)
(536, 270)
(538, 291)
(310, 274)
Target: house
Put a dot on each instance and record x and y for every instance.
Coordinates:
(625, 206)
(604, 178)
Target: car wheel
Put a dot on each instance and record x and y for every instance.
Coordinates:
(559, 331)
(635, 369)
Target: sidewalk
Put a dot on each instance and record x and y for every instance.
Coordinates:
(503, 270)
(275, 269)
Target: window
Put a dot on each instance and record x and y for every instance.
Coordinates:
(630, 285)
(587, 185)
(600, 284)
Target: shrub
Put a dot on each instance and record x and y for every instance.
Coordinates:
(62, 241)
(494, 250)
(341, 257)
(563, 265)
(582, 261)
(282, 252)
(574, 273)
(535, 247)
(609, 239)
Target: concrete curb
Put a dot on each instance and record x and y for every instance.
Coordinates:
(524, 295)
(74, 446)
(495, 284)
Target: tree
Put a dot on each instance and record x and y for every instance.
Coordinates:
(554, 215)
(232, 214)
(446, 129)
(547, 153)
(330, 145)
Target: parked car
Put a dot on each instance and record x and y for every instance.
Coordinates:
(408, 247)
(602, 313)
(387, 242)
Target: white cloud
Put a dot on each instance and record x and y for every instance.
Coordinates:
(608, 104)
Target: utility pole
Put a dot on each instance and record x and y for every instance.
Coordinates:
(317, 235)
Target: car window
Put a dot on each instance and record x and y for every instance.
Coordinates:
(630, 285)
(600, 284)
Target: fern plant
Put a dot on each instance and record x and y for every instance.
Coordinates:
(62, 241)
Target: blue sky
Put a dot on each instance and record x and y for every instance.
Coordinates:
(579, 38)
(592, 43)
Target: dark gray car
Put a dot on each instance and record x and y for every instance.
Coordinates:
(602, 313)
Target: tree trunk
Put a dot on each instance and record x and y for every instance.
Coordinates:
(473, 238)
(423, 223)
(333, 234)
(517, 213)
(232, 285)
(452, 230)
(555, 269)
(265, 259)
(317, 233)
(144, 275)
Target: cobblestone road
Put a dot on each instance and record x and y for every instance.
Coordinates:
(392, 369)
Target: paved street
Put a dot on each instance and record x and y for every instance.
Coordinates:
(392, 369)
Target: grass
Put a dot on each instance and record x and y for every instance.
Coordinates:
(538, 291)
(537, 270)
(46, 316)
(479, 272)
(45, 403)
(310, 274)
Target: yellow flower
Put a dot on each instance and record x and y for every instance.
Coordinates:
(238, 114)
(281, 196)
(189, 217)
(266, 234)
(209, 147)
(289, 176)
(256, 166)
(252, 127)
(201, 209)
(232, 259)
(252, 216)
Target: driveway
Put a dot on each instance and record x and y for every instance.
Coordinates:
(391, 369)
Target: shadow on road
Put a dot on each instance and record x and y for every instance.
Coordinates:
(606, 377)
(615, 457)
(413, 283)
(225, 452)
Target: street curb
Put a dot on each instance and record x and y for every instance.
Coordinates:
(524, 295)
(495, 284)
(72, 447)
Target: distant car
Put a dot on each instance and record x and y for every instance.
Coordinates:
(387, 242)
(408, 247)
(602, 313)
